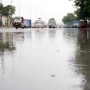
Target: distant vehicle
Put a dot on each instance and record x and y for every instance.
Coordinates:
(52, 23)
(82, 24)
(27, 23)
(18, 22)
(39, 24)
(75, 25)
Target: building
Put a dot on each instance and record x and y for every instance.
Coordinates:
(6, 21)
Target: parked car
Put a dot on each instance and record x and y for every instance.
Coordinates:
(82, 24)
(75, 25)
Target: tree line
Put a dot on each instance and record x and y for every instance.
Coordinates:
(82, 11)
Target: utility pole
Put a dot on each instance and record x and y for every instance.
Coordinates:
(11, 15)
(30, 10)
(19, 8)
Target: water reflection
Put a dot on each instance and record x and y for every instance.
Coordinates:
(84, 39)
(7, 48)
(44, 59)
(8, 42)
(52, 33)
(70, 33)
(19, 36)
(81, 63)
(39, 33)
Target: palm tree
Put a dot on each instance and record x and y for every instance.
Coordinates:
(8, 11)
(1, 8)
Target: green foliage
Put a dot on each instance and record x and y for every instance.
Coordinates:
(83, 8)
(7, 10)
(17, 17)
(69, 17)
(1, 8)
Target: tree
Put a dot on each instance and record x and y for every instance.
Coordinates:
(69, 17)
(8, 10)
(83, 8)
(1, 8)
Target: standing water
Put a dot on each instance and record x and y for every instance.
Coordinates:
(45, 59)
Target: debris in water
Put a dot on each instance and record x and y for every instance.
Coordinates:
(53, 75)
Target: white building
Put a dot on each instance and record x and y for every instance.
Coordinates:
(6, 21)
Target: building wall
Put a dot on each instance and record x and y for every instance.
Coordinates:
(6, 21)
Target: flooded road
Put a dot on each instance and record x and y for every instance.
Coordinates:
(45, 59)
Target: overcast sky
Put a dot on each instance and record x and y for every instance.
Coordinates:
(44, 9)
